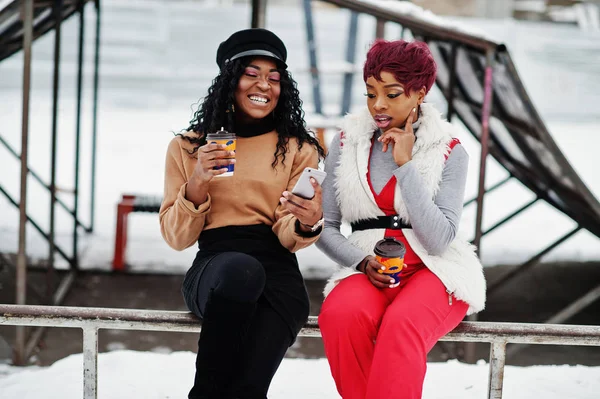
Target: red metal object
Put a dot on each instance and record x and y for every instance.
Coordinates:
(124, 208)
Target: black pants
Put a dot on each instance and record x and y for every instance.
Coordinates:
(239, 279)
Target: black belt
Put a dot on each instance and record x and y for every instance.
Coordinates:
(382, 222)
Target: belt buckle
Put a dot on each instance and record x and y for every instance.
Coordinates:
(395, 222)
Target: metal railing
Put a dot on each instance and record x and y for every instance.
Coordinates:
(90, 320)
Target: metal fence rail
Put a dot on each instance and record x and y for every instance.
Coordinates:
(90, 320)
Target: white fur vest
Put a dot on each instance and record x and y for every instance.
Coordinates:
(458, 267)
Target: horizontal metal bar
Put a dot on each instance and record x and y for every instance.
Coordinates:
(157, 320)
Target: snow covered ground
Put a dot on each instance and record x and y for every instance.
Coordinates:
(157, 62)
(128, 374)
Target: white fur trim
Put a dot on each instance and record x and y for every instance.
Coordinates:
(458, 267)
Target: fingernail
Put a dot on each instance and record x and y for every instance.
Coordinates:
(392, 281)
(312, 180)
(282, 199)
(232, 161)
(285, 193)
(231, 152)
(414, 110)
(382, 267)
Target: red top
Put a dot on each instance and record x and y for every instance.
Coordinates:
(385, 201)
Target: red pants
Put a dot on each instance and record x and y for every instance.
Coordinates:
(377, 340)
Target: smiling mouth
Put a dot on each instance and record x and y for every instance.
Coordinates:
(258, 99)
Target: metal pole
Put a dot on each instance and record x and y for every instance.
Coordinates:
(452, 81)
(259, 13)
(497, 362)
(90, 363)
(312, 52)
(350, 57)
(21, 283)
(50, 275)
(380, 29)
(95, 120)
(485, 135)
(78, 131)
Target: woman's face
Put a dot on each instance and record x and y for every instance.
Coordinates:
(258, 90)
(388, 103)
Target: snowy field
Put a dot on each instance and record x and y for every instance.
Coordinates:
(169, 376)
(155, 68)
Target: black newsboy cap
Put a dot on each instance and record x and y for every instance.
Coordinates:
(252, 42)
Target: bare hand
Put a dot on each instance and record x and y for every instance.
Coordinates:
(307, 211)
(403, 140)
(369, 266)
(211, 156)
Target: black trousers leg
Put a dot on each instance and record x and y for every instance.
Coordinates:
(227, 293)
(267, 340)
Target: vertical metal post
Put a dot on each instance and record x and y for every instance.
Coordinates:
(380, 29)
(259, 13)
(55, 87)
(90, 363)
(485, 136)
(497, 362)
(95, 119)
(452, 81)
(78, 132)
(312, 52)
(350, 57)
(21, 274)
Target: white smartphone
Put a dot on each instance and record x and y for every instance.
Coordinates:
(303, 188)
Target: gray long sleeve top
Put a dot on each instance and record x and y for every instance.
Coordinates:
(434, 222)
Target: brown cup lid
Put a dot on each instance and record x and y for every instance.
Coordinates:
(390, 248)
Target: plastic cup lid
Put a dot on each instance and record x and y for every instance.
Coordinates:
(390, 248)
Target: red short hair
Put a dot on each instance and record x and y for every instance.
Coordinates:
(411, 63)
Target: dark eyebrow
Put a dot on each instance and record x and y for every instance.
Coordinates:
(388, 86)
(258, 68)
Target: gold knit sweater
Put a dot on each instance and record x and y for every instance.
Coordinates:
(249, 197)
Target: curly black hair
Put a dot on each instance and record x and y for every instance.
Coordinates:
(288, 115)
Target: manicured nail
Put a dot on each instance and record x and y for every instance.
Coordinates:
(414, 110)
(382, 267)
(285, 194)
(392, 281)
(282, 200)
(312, 180)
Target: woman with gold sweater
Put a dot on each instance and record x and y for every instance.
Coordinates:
(244, 284)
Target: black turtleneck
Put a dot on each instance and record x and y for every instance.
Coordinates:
(255, 128)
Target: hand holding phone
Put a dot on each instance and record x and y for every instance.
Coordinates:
(303, 187)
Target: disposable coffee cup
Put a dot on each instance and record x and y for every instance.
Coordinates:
(390, 253)
(227, 138)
